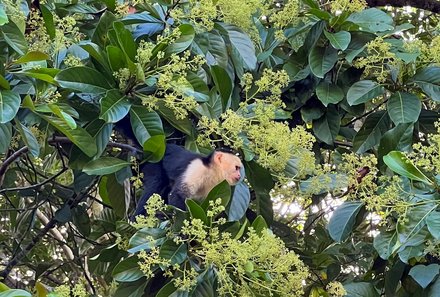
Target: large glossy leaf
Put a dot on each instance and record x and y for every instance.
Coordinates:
(424, 275)
(242, 44)
(399, 138)
(360, 289)
(223, 83)
(83, 79)
(175, 253)
(31, 57)
(9, 105)
(78, 136)
(28, 138)
(116, 196)
(187, 34)
(145, 123)
(329, 93)
(363, 91)
(327, 127)
(429, 80)
(196, 211)
(433, 223)
(5, 136)
(343, 219)
(261, 181)
(222, 191)
(322, 60)
(125, 40)
(404, 108)
(3, 16)
(114, 106)
(105, 165)
(413, 232)
(239, 203)
(14, 37)
(384, 244)
(372, 20)
(339, 40)
(213, 46)
(399, 163)
(127, 270)
(371, 132)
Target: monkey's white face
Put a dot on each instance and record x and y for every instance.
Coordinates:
(231, 166)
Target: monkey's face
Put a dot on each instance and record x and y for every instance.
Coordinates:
(230, 166)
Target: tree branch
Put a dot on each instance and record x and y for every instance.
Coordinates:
(430, 5)
(9, 161)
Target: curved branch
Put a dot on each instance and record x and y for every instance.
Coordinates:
(10, 160)
(430, 5)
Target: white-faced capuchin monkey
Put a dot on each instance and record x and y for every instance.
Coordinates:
(182, 174)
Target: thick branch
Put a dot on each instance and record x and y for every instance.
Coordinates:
(430, 5)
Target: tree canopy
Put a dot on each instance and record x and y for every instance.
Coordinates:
(331, 105)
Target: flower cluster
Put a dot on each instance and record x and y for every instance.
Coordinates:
(14, 10)
(202, 14)
(336, 289)
(378, 59)
(347, 5)
(66, 33)
(154, 205)
(258, 262)
(254, 126)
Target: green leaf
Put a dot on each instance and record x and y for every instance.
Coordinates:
(48, 20)
(363, 91)
(433, 223)
(223, 83)
(399, 138)
(259, 225)
(424, 275)
(15, 293)
(371, 132)
(78, 136)
(196, 211)
(404, 108)
(105, 23)
(339, 40)
(360, 289)
(116, 57)
(327, 127)
(82, 79)
(115, 194)
(169, 290)
(145, 124)
(127, 270)
(177, 254)
(261, 181)
(105, 165)
(329, 93)
(31, 57)
(434, 289)
(3, 16)
(28, 138)
(428, 79)
(222, 191)
(5, 136)
(154, 148)
(183, 125)
(400, 164)
(187, 34)
(44, 74)
(239, 203)
(322, 60)
(4, 83)
(114, 106)
(372, 20)
(242, 43)
(413, 232)
(343, 219)
(14, 38)
(125, 40)
(9, 105)
(67, 118)
(384, 244)
(214, 48)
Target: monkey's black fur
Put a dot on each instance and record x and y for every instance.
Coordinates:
(165, 177)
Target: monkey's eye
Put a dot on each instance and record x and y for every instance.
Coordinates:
(237, 167)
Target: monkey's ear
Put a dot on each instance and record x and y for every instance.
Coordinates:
(218, 156)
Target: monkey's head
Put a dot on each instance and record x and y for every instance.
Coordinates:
(229, 165)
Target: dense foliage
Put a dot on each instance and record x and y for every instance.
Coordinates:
(332, 106)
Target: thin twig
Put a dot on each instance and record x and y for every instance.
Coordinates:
(10, 160)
